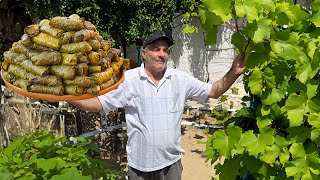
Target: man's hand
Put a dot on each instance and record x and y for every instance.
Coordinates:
(238, 64)
(222, 85)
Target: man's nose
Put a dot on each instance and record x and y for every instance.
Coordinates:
(162, 53)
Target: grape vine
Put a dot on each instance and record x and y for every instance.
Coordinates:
(278, 135)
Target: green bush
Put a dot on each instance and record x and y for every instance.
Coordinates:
(43, 155)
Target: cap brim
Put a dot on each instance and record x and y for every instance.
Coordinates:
(153, 39)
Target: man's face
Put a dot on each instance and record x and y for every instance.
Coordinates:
(156, 56)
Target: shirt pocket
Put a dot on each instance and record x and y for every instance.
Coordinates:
(175, 104)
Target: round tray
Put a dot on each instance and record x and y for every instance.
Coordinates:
(50, 97)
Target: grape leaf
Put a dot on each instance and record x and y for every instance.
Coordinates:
(271, 154)
(239, 41)
(268, 5)
(257, 59)
(303, 67)
(263, 30)
(285, 50)
(315, 61)
(284, 156)
(312, 88)
(296, 13)
(313, 105)
(229, 169)
(314, 120)
(248, 8)
(255, 82)
(254, 144)
(316, 19)
(295, 108)
(225, 143)
(315, 5)
(269, 77)
(221, 8)
(297, 151)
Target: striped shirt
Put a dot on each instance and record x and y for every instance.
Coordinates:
(153, 114)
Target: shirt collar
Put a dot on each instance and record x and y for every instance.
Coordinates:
(142, 73)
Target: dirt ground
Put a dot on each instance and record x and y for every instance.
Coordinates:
(193, 161)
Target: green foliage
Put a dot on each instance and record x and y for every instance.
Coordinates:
(235, 90)
(42, 155)
(277, 137)
(220, 116)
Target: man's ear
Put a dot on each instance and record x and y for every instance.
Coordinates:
(143, 53)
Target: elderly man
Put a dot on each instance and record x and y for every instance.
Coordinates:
(153, 96)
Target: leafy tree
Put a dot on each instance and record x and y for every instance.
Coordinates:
(277, 136)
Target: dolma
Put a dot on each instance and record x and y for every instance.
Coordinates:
(47, 40)
(41, 48)
(32, 30)
(116, 54)
(73, 90)
(94, 90)
(47, 58)
(44, 22)
(110, 54)
(76, 47)
(22, 83)
(18, 71)
(94, 69)
(55, 32)
(98, 37)
(120, 61)
(69, 59)
(66, 37)
(94, 58)
(108, 83)
(116, 51)
(105, 45)
(105, 63)
(95, 44)
(115, 58)
(63, 71)
(74, 16)
(67, 23)
(126, 64)
(88, 25)
(55, 90)
(115, 66)
(5, 65)
(82, 81)
(33, 52)
(103, 53)
(27, 41)
(82, 69)
(115, 72)
(83, 35)
(102, 77)
(8, 76)
(48, 80)
(19, 48)
(82, 57)
(39, 70)
(13, 58)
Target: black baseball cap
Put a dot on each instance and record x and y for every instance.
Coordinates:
(158, 35)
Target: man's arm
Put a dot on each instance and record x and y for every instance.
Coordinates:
(222, 85)
(92, 105)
